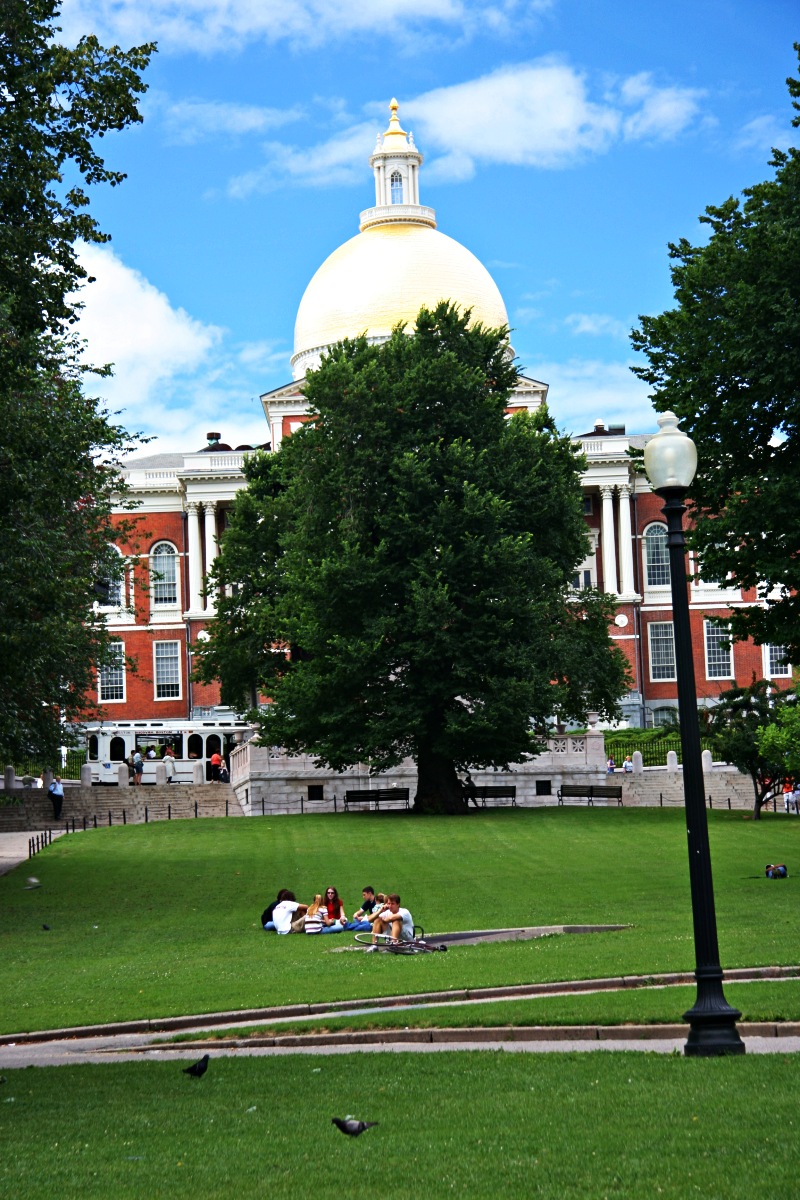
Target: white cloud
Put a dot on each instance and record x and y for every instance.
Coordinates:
(174, 376)
(534, 114)
(189, 121)
(211, 25)
(597, 325)
(537, 114)
(338, 161)
(662, 113)
(584, 390)
(762, 134)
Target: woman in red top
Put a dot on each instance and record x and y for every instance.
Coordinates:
(334, 916)
(216, 763)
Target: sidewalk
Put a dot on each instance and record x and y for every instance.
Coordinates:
(14, 848)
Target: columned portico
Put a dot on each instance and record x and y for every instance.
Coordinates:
(626, 542)
(195, 560)
(211, 553)
(608, 540)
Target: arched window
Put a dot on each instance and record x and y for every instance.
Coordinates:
(93, 747)
(164, 574)
(656, 557)
(195, 749)
(397, 187)
(116, 751)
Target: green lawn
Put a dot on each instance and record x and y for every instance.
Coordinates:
(163, 919)
(767, 1001)
(464, 1124)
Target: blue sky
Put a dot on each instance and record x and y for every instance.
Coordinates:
(566, 143)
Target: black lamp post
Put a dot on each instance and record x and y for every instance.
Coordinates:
(670, 460)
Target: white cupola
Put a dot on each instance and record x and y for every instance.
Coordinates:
(396, 162)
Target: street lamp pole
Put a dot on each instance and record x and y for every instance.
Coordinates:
(670, 462)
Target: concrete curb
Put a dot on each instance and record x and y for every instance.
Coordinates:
(472, 1034)
(509, 992)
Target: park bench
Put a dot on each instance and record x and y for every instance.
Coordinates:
(496, 792)
(590, 792)
(359, 797)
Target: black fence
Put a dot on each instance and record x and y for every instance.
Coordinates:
(33, 767)
(654, 754)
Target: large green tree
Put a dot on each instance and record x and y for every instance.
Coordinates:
(737, 725)
(60, 449)
(414, 548)
(726, 359)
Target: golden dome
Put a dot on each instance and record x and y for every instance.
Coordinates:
(383, 276)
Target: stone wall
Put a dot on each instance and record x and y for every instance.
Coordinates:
(268, 781)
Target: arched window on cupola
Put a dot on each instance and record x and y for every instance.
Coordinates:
(397, 187)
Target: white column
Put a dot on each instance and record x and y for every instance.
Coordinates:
(625, 540)
(211, 553)
(608, 540)
(195, 563)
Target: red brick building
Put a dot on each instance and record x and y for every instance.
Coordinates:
(396, 263)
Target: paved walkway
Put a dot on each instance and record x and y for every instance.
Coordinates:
(14, 849)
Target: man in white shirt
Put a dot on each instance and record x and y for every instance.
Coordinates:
(284, 913)
(393, 920)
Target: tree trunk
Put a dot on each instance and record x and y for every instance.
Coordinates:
(438, 785)
(759, 800)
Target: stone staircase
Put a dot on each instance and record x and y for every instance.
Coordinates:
(97, 806)
(727, 787)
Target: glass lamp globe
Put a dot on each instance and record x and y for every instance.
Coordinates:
(670, 458)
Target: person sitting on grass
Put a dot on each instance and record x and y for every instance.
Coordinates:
(333, 917)
(315, 916)
(394, 920)
(266, 916)
(286, 915)
(362, 920)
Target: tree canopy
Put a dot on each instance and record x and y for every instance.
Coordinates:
(414, 548)
(60, 449)
(736, 725)
(726, 359)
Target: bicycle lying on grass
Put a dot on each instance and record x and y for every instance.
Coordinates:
(384, 941)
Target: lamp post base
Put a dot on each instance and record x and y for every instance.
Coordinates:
(712, 1023)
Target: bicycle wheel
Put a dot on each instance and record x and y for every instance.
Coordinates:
(382, 940)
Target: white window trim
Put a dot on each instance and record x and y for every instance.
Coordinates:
(660, 678)
(765, 649)
(167, 699)
(158, 610)
(717, 678)
(124, 697)
(653, 589)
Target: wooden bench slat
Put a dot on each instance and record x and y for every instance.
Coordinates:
(591, 792)
(376, 795)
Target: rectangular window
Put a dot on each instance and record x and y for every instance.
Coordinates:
(662, 650)
(167, 670)
(582, 579)
(719, 654)
(778, 666)
(587, 506)
(111, 678)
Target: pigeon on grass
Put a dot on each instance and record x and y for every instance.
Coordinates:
(197, 1069)
(352, 1127)
(32, 884)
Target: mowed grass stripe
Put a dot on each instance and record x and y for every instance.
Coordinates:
(162, 919)
(468, 1124)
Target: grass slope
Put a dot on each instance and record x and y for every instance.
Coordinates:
(469, 1124)
(163, 919)
(774, 1000)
